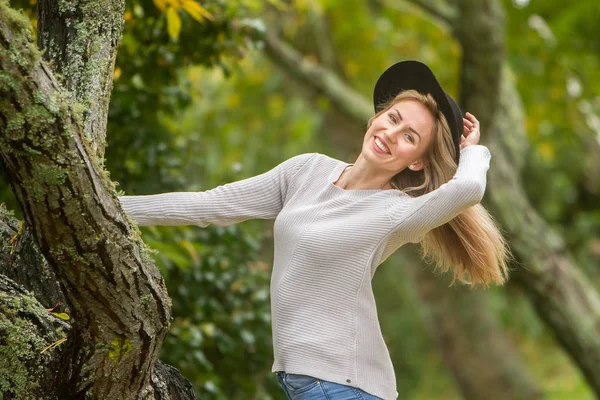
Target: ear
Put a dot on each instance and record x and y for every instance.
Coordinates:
(418, 165)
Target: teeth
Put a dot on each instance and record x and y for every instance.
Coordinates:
(380, 145)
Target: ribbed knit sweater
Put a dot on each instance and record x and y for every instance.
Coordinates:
(328, 244)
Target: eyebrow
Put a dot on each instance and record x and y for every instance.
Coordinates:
(409, 128)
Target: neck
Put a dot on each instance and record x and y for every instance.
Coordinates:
(362, 176)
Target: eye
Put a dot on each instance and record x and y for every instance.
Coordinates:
(393, 118)
(409, 136)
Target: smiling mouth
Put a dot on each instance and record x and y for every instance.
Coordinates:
(379, 143)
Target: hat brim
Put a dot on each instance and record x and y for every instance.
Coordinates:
(412, 74)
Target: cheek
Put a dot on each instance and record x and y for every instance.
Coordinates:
(405, 148)
(369, 133)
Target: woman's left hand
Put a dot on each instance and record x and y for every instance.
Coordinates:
(470, 131)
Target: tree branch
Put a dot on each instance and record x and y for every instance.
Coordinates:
(438, 9)
(320, 30)
(80, 41)
(441, 12)
(319, 78)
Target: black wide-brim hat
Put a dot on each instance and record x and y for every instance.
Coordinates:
(415, 75)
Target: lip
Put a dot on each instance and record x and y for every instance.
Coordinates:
(377, 149)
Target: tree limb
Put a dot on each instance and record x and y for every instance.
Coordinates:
(438, 9)
(80, 41)
(440, 12)
(319, 78)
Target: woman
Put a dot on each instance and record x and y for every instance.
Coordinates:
(336, 222)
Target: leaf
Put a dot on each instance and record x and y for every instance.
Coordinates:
(62, 315)
(53, 344)
(173, 23)
(196, 10)
(161, 4)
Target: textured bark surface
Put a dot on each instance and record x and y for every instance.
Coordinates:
(21, 261)
(27, 366)
(33, 340)
(79, 40)
(119, 307)
(478, 355)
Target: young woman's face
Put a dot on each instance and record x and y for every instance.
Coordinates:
(399, 136)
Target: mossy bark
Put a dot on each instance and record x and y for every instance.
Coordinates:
(562, 295)
(33, 346)
(21, 261)
(27, 364)
(80, 40)
(120, 311)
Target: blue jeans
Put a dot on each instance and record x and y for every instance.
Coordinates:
(304, 387)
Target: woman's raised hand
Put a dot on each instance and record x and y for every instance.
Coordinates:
(470, 131)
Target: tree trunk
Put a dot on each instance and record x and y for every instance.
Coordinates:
(50, 150)
(562, 295)
(480, 358)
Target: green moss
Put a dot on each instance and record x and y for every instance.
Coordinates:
(31, 150)
(119, 346)
(22, 363)
(52, 175)
(5, 212)
(7, 82)
(39, 118)
(33, 187)
(21, 49)
(15, 127)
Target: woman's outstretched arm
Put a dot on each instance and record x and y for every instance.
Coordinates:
(261, 196)
(414, 217)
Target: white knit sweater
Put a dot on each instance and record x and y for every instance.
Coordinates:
(328, 244)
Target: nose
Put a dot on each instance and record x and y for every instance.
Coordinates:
(388, 134)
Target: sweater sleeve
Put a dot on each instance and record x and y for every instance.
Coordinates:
(261, 196)
(413, 217)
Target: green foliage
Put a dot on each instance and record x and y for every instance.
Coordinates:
(220, 337)
(149, 85)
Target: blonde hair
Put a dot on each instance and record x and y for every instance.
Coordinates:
(471, 243)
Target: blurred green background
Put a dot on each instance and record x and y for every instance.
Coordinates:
(197, 102)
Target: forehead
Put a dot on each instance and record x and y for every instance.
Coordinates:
(416, 114)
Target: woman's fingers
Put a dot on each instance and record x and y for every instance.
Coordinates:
(472, 124)
(471, 118)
